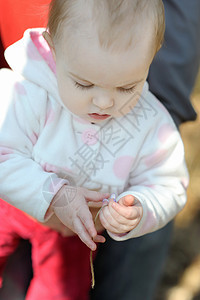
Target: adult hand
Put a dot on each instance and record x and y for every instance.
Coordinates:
(70, 205)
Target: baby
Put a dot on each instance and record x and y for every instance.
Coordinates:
(78, 122)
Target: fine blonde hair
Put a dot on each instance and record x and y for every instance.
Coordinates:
(114, 20)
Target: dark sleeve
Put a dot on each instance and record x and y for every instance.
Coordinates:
(174, 69)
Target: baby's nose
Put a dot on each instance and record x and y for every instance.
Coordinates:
(103, 102)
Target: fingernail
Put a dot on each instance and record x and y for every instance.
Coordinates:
(113, 196)
(106, 195)
(105, 200)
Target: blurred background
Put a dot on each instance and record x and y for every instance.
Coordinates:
(181, 279)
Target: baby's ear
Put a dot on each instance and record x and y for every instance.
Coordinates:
(48, 39)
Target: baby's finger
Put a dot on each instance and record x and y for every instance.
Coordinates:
(112, 224)
(83, 234)
(95, 196)
(127, 200)
(107, 225)
(117, 228)
(117, 216)
(127, 212)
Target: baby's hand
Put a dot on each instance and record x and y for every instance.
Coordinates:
(123, 216)
(71, 207)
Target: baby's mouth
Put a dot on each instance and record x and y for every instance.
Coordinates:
(99, 116)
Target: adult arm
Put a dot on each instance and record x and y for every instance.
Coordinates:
(173, 72)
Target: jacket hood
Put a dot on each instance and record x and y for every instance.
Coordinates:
(31, 57)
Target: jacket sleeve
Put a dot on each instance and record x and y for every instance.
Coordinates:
(159, 178)
(179, 57)
(23, 182)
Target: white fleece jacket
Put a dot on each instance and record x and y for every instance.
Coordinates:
(43, 145)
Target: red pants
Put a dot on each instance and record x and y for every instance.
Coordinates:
(61, 266)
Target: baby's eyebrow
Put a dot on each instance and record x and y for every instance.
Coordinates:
(79, 78)
(121, 86)
(130, 84)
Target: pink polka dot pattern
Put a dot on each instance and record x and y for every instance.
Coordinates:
(155, 158)
(34, 138)
(19, 88)
(164, 132)
(5, 154)
(149, 223)
(49, 168)
(185, 182)
(152, 186)
(43, 49)
(50, 116)
(90, 137)
(122, 166)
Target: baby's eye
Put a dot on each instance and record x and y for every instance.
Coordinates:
(127, 90)
(83, 86)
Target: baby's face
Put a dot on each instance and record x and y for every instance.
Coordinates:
(95, 84)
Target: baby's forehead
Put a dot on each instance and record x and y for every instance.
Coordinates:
(114, 32)
(103, 67)
(114, 22)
